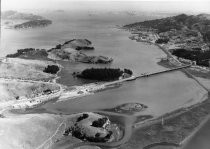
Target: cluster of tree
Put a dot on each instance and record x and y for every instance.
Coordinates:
(128, 71)
(53, 69)
(77, 132)
(100, 122)
(47, 91)
(28, 52)
(84, 116)
(84, 48)
(202, 58)
(162, 40)
(68, 41)
(101, 74)
(97, 137)
(21, 52)
(58, 46)
(206, 36)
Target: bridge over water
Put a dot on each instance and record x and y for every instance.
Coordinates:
(169, 70)
(145, 75)
(160, 72)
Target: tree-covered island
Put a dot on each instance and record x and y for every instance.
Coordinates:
(103, 74)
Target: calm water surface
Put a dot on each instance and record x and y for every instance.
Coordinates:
(162, 93)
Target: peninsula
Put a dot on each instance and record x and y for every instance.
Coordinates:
(69, 51)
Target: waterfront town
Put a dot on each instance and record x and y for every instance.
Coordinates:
(190, 40)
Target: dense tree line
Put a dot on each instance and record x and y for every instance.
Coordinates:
(162, 40)
(53, 69)
(21, 52)
(100, 122)
(206, 36)
(77, 132)
(84, 48)
(202, 58)
(102, 74)
(128, 71)
(84, 116)
(29, 51)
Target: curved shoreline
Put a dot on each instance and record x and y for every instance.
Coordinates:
(161, 144)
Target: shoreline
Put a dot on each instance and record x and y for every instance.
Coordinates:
(177, 113)
(28, 103)
(88, 89)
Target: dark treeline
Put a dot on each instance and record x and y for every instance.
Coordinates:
(202, 58)
(128, 71)
(28, 51)
(100, 122)
(53, 69)
(84, 48)
(84, 116)
(162, 40)
(102, 74)
(33, 23)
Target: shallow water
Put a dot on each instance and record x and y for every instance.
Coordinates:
(161, 93)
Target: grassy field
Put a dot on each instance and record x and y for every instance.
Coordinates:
(24, 69)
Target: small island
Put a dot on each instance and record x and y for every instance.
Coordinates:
(33, 24)
(28, 20)
(128, 108)
(77, 44)
(199, 57)
(103, 74)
